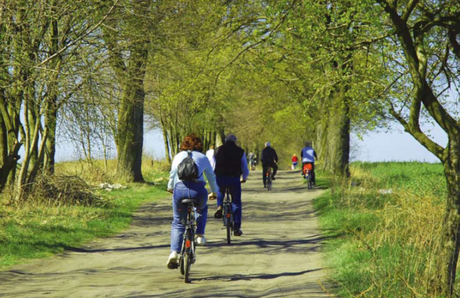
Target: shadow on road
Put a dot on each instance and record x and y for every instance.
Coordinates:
(248, 277)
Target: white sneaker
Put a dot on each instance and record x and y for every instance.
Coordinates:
(200, 240)
(173, 260)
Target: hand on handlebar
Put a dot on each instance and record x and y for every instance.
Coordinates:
(242, 181)
(212, 196)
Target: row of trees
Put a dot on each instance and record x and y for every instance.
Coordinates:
(283, 71)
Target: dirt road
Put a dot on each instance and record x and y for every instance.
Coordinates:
(278, 255)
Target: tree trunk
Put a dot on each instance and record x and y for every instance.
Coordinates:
(450, 241)
(339, 133)
(131, 129)
(166, 142)
(333, 136)
(50, 123)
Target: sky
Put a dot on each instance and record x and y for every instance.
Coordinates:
(395, 145)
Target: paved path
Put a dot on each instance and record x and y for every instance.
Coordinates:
(278, 255)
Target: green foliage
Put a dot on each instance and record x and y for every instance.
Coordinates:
(383, 229)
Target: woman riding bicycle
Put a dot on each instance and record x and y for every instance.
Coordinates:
(191, 145)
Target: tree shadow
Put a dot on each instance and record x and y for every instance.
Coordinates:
(248, 277)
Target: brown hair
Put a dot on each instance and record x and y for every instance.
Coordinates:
(192, 142)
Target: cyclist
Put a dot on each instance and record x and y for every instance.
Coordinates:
(252, 161)
(189, 189)
(308, 155)
(231, 170)
(294, 161)
(210, 156)
(269, 159)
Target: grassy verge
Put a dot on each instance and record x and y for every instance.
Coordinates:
(384, 228)
(40, 229)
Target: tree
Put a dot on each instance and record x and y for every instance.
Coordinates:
(422, 55)
(128, 36)
(39, 45)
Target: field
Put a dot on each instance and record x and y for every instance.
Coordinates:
(39, 228)
(383, 227)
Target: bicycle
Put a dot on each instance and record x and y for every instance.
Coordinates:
(307, 170)
(227, 212)
(269, 179)
(188, 251)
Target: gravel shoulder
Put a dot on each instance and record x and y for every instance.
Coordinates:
(278, 255)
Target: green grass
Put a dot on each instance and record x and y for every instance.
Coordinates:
(35, 230)
(383, 229)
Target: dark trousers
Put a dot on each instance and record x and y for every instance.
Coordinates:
(313, 180)
(265, 166)
(235, 189)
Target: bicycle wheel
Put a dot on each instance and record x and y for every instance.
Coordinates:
(187, 266)
(309, 180)
(227, 222)
(229, 232)
(181, 264)
(269, 183)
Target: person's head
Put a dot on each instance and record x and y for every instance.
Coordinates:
(191, 142)
(230, 138)
(307, 144)
(267, 144)
(295, 155)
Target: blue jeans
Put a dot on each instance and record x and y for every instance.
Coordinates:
(187, 190)
(235, 186)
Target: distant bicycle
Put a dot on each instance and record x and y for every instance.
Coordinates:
(228, 214)
(307, 172)
(269, 179)
(188, 252)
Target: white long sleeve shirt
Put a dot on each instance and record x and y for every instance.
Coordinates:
(202, 164)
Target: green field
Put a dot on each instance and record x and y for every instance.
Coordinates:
(383, 228)
(36, 229)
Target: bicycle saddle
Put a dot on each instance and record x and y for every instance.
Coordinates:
(186, 201)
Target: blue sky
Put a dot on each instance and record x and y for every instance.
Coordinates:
(397, 145)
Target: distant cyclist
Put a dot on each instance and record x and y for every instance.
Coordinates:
(231, 170)
(269, 159)
(294, 161)
(210, 156)
(189, 189)
(252, 160)
(308, 155)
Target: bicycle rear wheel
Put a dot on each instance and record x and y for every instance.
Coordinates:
(181, 264)
(187, 266)
(309, 180)
(229, 234)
